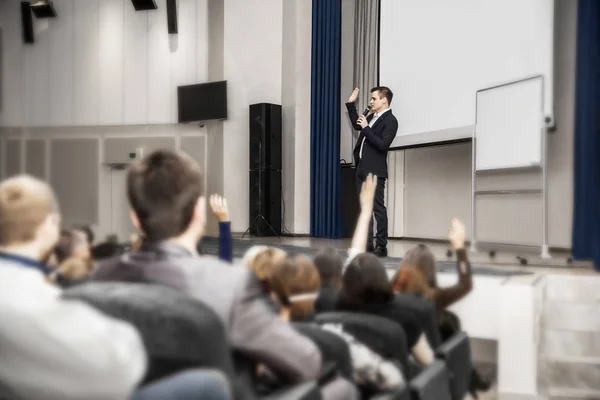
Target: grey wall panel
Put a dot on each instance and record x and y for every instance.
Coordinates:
(116, 150)
(511, 219)
(35, 158)
(74, 167)
(437, 188)
(509, 180)
(395, 194)
(195, 146)
(13, 157)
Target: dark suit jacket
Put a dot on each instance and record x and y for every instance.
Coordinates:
(379, 138)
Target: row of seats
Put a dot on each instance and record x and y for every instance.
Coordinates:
(173, 325)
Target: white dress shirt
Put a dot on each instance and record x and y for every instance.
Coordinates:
(371, 123)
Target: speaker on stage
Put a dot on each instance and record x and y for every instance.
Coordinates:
(265, 202)
(266, 131)
(265, 123)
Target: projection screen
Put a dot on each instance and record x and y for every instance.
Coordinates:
(436, 54)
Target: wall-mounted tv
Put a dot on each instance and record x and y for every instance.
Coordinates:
(202, 102)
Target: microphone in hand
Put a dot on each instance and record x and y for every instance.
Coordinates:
(366, 112)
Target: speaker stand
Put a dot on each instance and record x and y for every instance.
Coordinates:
(259, 216)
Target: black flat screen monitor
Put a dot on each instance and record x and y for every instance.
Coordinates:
(202, 102)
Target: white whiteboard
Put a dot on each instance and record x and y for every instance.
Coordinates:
(508, 131)
(436, 54)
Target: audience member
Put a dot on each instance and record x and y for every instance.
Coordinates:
(219, 208)
(295, 284)
(263, 260)
(329, 262)
(366, 288)
(51, 348)
(166, 193)
(417, 275)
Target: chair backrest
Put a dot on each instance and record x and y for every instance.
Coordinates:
(401, 393)
(433, 383)
(178, 331)
(333, 348)
(425, 312)
(381, 335)
(456, 353)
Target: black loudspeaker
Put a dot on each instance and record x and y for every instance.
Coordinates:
(265, 203)
(143, 5)
(265, 123)
(27, 22)
(172, 15)
(265, 136)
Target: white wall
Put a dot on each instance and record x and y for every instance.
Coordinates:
(253, 68)
(101, 63)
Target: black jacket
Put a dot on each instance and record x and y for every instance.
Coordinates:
(379, 138)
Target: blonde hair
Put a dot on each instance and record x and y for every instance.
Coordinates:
(25, 203)
(262, 260)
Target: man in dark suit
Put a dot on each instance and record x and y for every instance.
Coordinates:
(377, 131)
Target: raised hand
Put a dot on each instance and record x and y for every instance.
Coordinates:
(354, 95)
(367, 192)
(219, 208)
(457, 234)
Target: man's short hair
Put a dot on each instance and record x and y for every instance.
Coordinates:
(163, 189)
(384, 91)
(25, 203)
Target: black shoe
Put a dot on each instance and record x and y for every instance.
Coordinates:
(370, 249)
(380, 251)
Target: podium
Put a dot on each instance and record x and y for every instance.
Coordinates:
(349, 203)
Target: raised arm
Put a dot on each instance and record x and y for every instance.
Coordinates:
(219, 208)
(359, 240)
(351, 107)
(445, 297)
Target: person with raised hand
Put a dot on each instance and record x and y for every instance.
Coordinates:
(219, 207)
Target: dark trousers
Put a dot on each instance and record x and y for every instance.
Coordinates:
(379, 211)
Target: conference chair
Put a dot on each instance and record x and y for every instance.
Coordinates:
(456, 354)
(333, 348)
(425, 312)
(433, 383)
(178, 331)
(381, 335)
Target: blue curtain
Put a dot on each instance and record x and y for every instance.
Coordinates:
(586, 220)
(325, 174)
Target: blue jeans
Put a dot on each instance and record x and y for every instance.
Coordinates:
(187, 385)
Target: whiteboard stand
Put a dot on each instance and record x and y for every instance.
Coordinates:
(514, 108)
